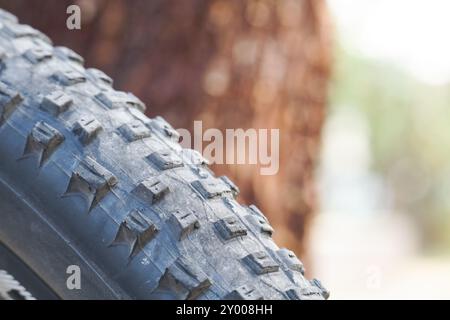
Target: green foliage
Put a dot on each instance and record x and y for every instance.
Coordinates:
(409, 124)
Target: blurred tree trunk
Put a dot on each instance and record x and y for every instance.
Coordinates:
(232, 64)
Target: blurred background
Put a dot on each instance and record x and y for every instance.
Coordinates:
(359, 90)
(383, 230)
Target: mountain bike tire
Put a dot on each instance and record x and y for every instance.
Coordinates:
(87, 180)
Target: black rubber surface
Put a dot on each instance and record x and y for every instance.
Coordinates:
(86, 179)
(23, 274)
